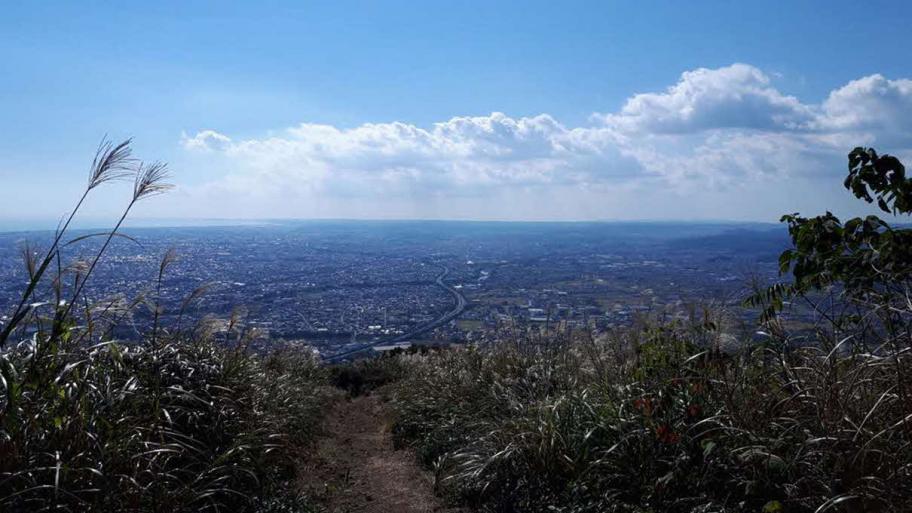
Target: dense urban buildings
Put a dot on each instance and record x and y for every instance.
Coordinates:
(341, 286)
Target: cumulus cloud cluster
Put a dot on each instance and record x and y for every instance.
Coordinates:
(714, 128)
(738, 96)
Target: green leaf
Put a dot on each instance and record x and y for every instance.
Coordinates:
(883, 205)
(772, 507)
(708, 447)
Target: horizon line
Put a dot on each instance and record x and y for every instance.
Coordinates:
(215, 222)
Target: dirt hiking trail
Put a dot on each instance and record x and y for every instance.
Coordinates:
(355, 468)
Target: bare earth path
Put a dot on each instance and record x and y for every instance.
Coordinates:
(357, 470)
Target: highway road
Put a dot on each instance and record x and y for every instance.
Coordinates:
(458, 307)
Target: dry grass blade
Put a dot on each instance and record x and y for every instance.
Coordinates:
(76, 267)
(112, 162)
(196, 294)
(150, 180)
(101, 234)
(30, 259)
(169, 258)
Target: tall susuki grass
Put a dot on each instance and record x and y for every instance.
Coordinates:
(673, 416)
(182, 420)
(655, 418)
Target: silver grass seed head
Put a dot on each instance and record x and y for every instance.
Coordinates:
(112, 162)
(168, 258)
(150, 180)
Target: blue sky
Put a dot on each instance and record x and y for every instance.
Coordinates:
(459, 110)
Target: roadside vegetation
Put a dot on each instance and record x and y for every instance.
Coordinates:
(182, 420)
(672, 416)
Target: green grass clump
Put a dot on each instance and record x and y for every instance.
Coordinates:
(655, 419)
(183, 426)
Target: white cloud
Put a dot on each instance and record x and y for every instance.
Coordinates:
(725, 129)
(737, 96)
(873, 104)
(208, 140)
(464, 152)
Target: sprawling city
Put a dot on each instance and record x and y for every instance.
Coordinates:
(345, 286)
